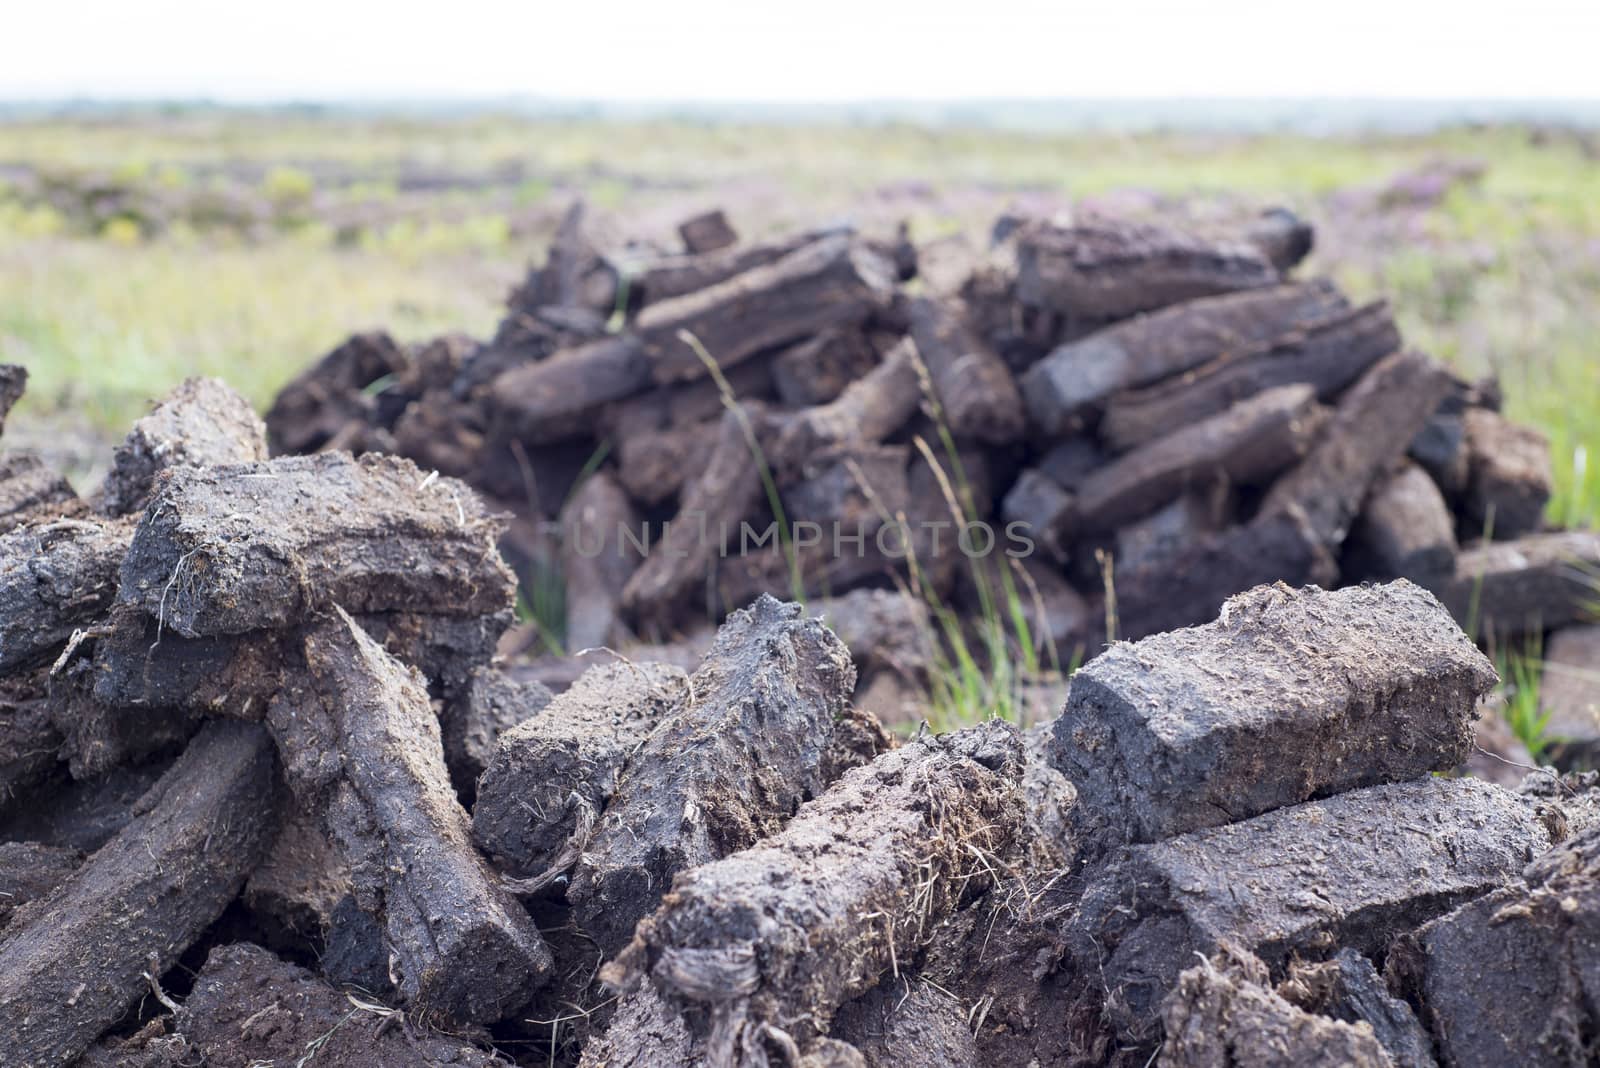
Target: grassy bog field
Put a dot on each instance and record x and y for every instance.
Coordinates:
(137, 250)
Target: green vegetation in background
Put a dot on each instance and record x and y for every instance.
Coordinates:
(104, 328)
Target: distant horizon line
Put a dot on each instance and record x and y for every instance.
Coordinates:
(1036, 113)
(11, 96)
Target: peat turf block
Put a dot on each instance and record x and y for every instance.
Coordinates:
(1108, 269)
(1327, 355)
(836, 281)
(1228, 1015)
(30, 491)
(1348, 987)
(200, 423)
(861, 878)
(75, 962)
(223, 550)
(1354, 870)
(365, 752)
(250, 1008)
(1149, 348)
(54, 578)
(554, 773)
(726, 768)
(472, 725)
(1290, 695)
(1512, 978)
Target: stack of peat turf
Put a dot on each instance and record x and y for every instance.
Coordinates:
(1119, 421)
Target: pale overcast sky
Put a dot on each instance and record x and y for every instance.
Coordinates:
(814, 50)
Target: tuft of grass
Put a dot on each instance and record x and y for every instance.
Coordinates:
(977, 677)
(1521, 673)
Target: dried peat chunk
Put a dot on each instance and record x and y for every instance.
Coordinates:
(857, 738)
(13, 383)
(1512, 978)
(1326, 354)
(1050, 796)
(1440, 447)
(1065, 385)
(199, 424)
(834, 282)
(431, 370)
(655, 465)
(666, 277)
(861, 877)
(329, 395)
(869, 410)
(1245, 445)
(55, 578)
(1041, 508)
(549, 778)
(461, 948)
(96, 737)
(645, 1033)
(29, 871)
(1228, 1016)
(1283, 237)
(28, 742)
(446, 649)
(1290, 695)
(1508, 475)
(720, 497)
(1349, 988)
(250, 1008)
(224, 550)
(439, 433)
(1191, 586)
(293, 892)
(1539, 582)
(82, 815)
(1002, 956)
(707, 232)
(1375, 422)
(472, 725)
(727, 768)
(1070, 462)
(138, 662)
(573, 275)
(1106, 270)
(1569, 691)
(973, 385)
(818, 369)
(945, 263)
(686, 403)
(75, 961)
(1167, 532)
(149, 1047)
(1406, 529)
(851, 489)
(886, 629)
(1354, 870)
(597, 560)
(30, 491)
(903, 1022)
(560, 397)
